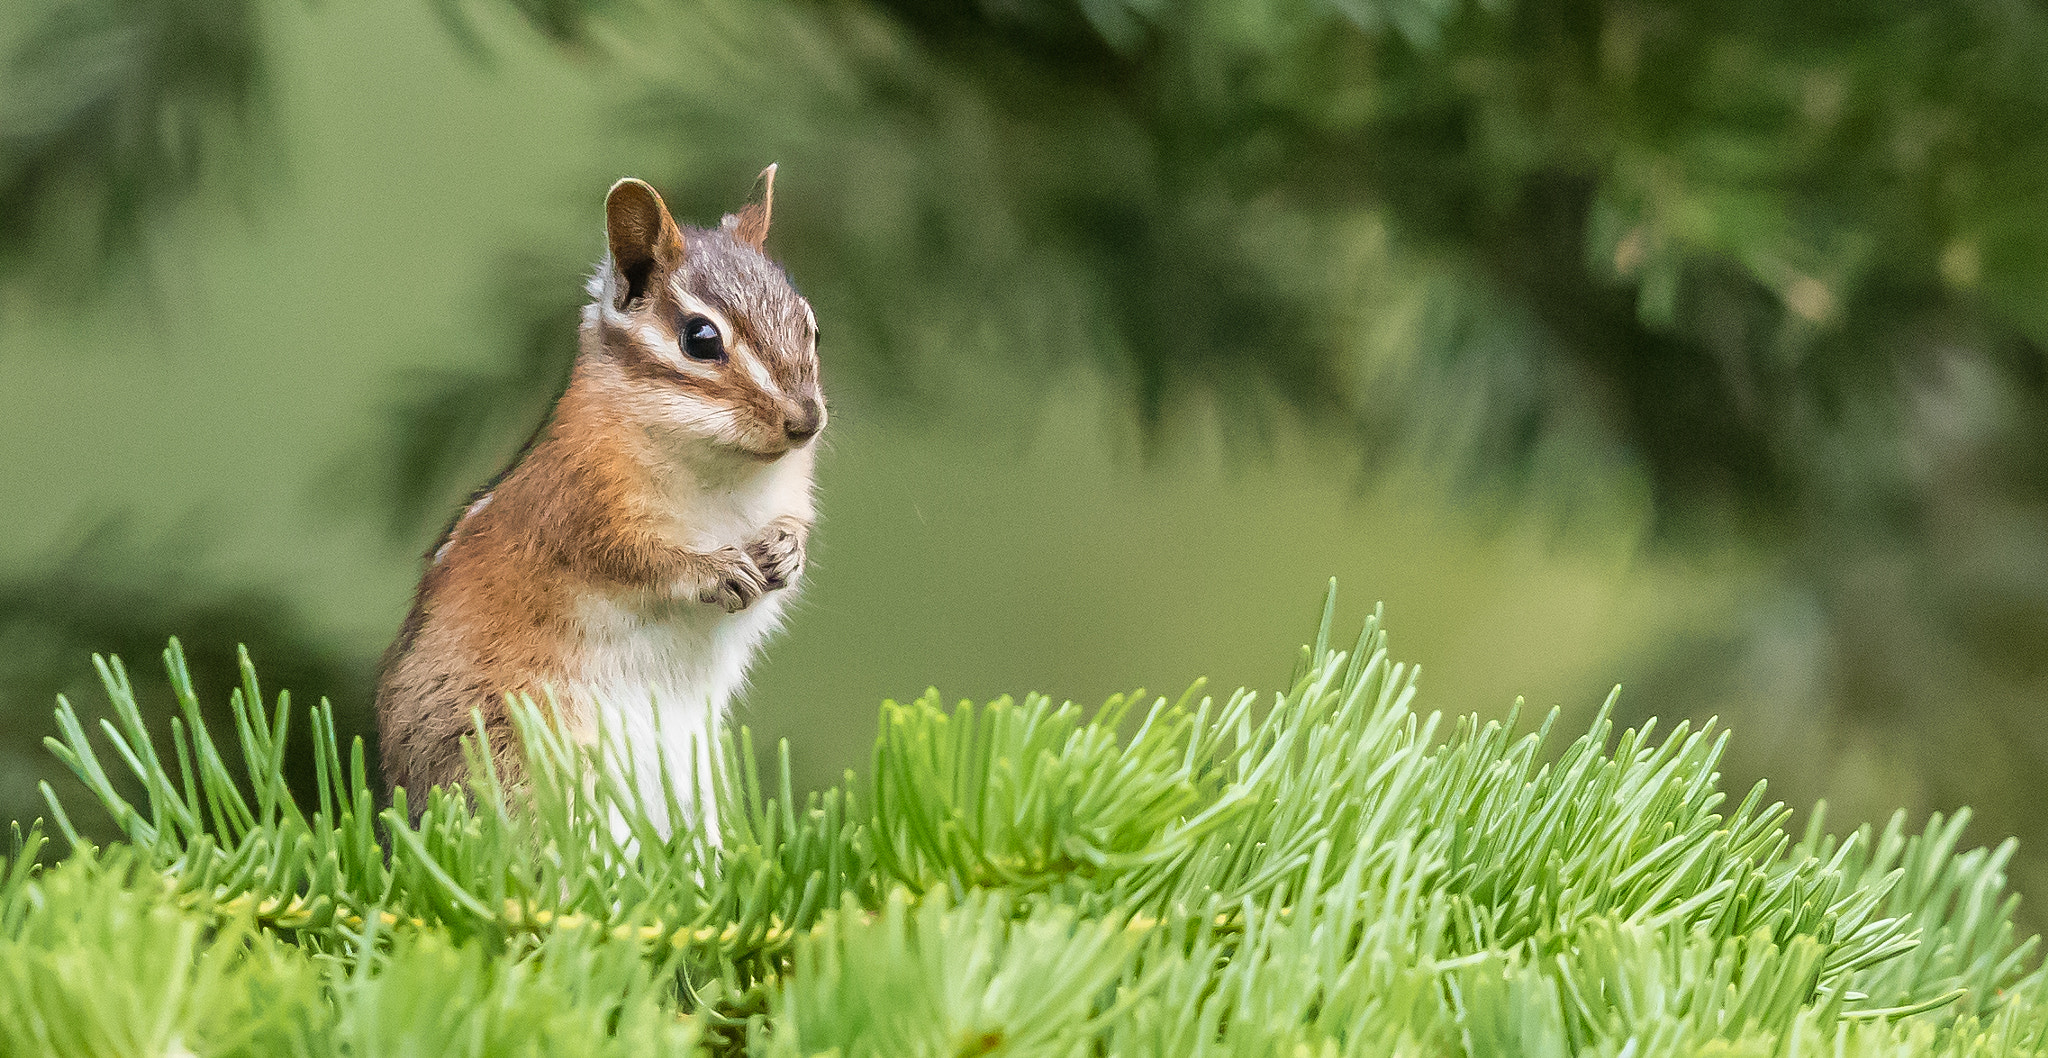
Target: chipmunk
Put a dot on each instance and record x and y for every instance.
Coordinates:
(631, 560)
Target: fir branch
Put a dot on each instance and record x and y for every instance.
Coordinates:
(1325, 873)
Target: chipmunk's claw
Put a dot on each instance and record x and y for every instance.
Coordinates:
(779, 555)
(734, 581)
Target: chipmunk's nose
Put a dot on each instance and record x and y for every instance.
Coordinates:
(805, 421)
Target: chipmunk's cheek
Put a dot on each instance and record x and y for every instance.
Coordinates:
(688, 419)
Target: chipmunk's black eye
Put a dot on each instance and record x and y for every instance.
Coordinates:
(701, 340)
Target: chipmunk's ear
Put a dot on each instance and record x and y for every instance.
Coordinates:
(645, 241)
(750, 224)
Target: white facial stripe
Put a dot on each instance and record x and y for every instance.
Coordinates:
(756, 370)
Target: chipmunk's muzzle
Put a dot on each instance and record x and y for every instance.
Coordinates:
(801, 421)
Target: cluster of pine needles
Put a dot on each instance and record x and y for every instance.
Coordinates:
(1323, 872)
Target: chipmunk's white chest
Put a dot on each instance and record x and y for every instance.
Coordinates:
(660, 677)
(662, 670)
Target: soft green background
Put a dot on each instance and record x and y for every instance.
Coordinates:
(1007, 545)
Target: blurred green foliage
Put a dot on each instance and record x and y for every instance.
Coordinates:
(1777, 268)
(114, 112)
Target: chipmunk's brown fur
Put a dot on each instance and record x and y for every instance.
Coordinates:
(635, 555)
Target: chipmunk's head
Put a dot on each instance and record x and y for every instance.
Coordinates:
(705, 331)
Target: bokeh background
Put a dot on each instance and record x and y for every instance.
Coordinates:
(1692, 346)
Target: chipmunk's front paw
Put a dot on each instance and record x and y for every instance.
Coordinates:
(731, 580)
(780, 554)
